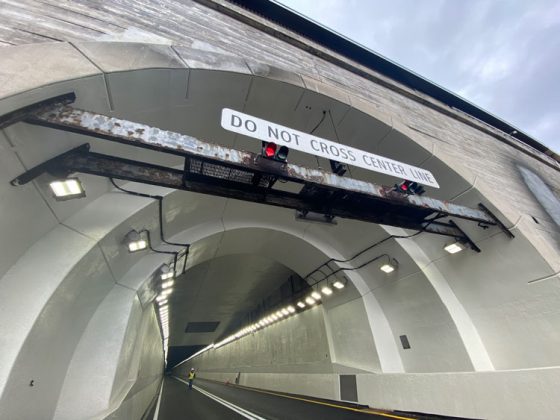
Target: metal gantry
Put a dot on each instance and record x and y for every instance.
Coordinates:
(217, 170)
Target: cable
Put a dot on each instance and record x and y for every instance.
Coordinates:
(157, 251)
(315, 128)
(438, 216)
(159, 198)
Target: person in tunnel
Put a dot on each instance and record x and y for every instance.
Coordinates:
(192, 375)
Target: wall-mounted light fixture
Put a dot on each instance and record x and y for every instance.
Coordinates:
(166, 272)
(316, 295)
(327, 291)
(135, 241)
(67, 189)
(390, 266)
(454, 247)
(301, 305)
(310, 301)
(338, 284)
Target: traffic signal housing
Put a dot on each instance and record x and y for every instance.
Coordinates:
(270, 150)
(410, 188)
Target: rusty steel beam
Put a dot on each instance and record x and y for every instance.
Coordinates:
(82, 160)
(91, 124)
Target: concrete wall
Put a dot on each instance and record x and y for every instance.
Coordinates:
(291, 355)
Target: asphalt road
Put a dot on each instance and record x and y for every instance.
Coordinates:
(211, 400)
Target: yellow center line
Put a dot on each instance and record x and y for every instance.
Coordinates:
(364, 411)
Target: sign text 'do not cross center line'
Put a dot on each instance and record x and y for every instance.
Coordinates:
(258, 128)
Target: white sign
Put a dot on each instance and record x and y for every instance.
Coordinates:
(250, 126)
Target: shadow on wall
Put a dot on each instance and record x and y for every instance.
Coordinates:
(542, 192)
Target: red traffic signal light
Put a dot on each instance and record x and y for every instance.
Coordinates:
(271, 150)
(410, 188)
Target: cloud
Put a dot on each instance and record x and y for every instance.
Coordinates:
(502, 56)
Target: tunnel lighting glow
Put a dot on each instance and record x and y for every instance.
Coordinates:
(67, 189)
(163, 302)
(327, 291)
(338, 284)
(160, 299)
(166, 272)
(167, 291)
(167, 284)
(301, 305)
(137, 246)
(291, 309)
(454, 248)
(274, 317)
(285, 311)
(279, 314)
(316, 295)
(310, 301)
(135, 241)
(166, 276)
(388, 268)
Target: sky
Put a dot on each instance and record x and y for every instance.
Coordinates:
(502, 55)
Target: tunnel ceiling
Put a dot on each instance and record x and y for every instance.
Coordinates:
(221, 290)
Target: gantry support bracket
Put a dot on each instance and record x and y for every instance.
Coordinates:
(216, 170)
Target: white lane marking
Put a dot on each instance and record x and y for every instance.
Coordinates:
(243, 412)
(156, 413)
(221, 400)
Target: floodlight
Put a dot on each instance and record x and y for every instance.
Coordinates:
(327, 291)
(338, 284)
(135, 241)
(454, 247)
(67, 189)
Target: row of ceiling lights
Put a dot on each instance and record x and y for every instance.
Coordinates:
(135, 242)
(312, 299)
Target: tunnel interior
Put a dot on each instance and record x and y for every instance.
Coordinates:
(90, 304)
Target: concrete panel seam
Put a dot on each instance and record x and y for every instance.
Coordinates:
(108, 91)
(186, 66)
(20, 160)
(544, 278)
(472, 187)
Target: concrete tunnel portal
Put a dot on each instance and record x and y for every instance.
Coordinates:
(396, 340)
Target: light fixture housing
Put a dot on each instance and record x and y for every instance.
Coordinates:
(67, 189)
(166, 272)
(135, 241)
(310, 301)
(327, 291)
(291, 309)
(301, 305)
(454, 247)
(285, 311)
(316, 295)
(338, 284)
(167, 284)
(388, 268)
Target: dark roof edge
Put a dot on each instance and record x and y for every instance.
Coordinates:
(327, 38)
